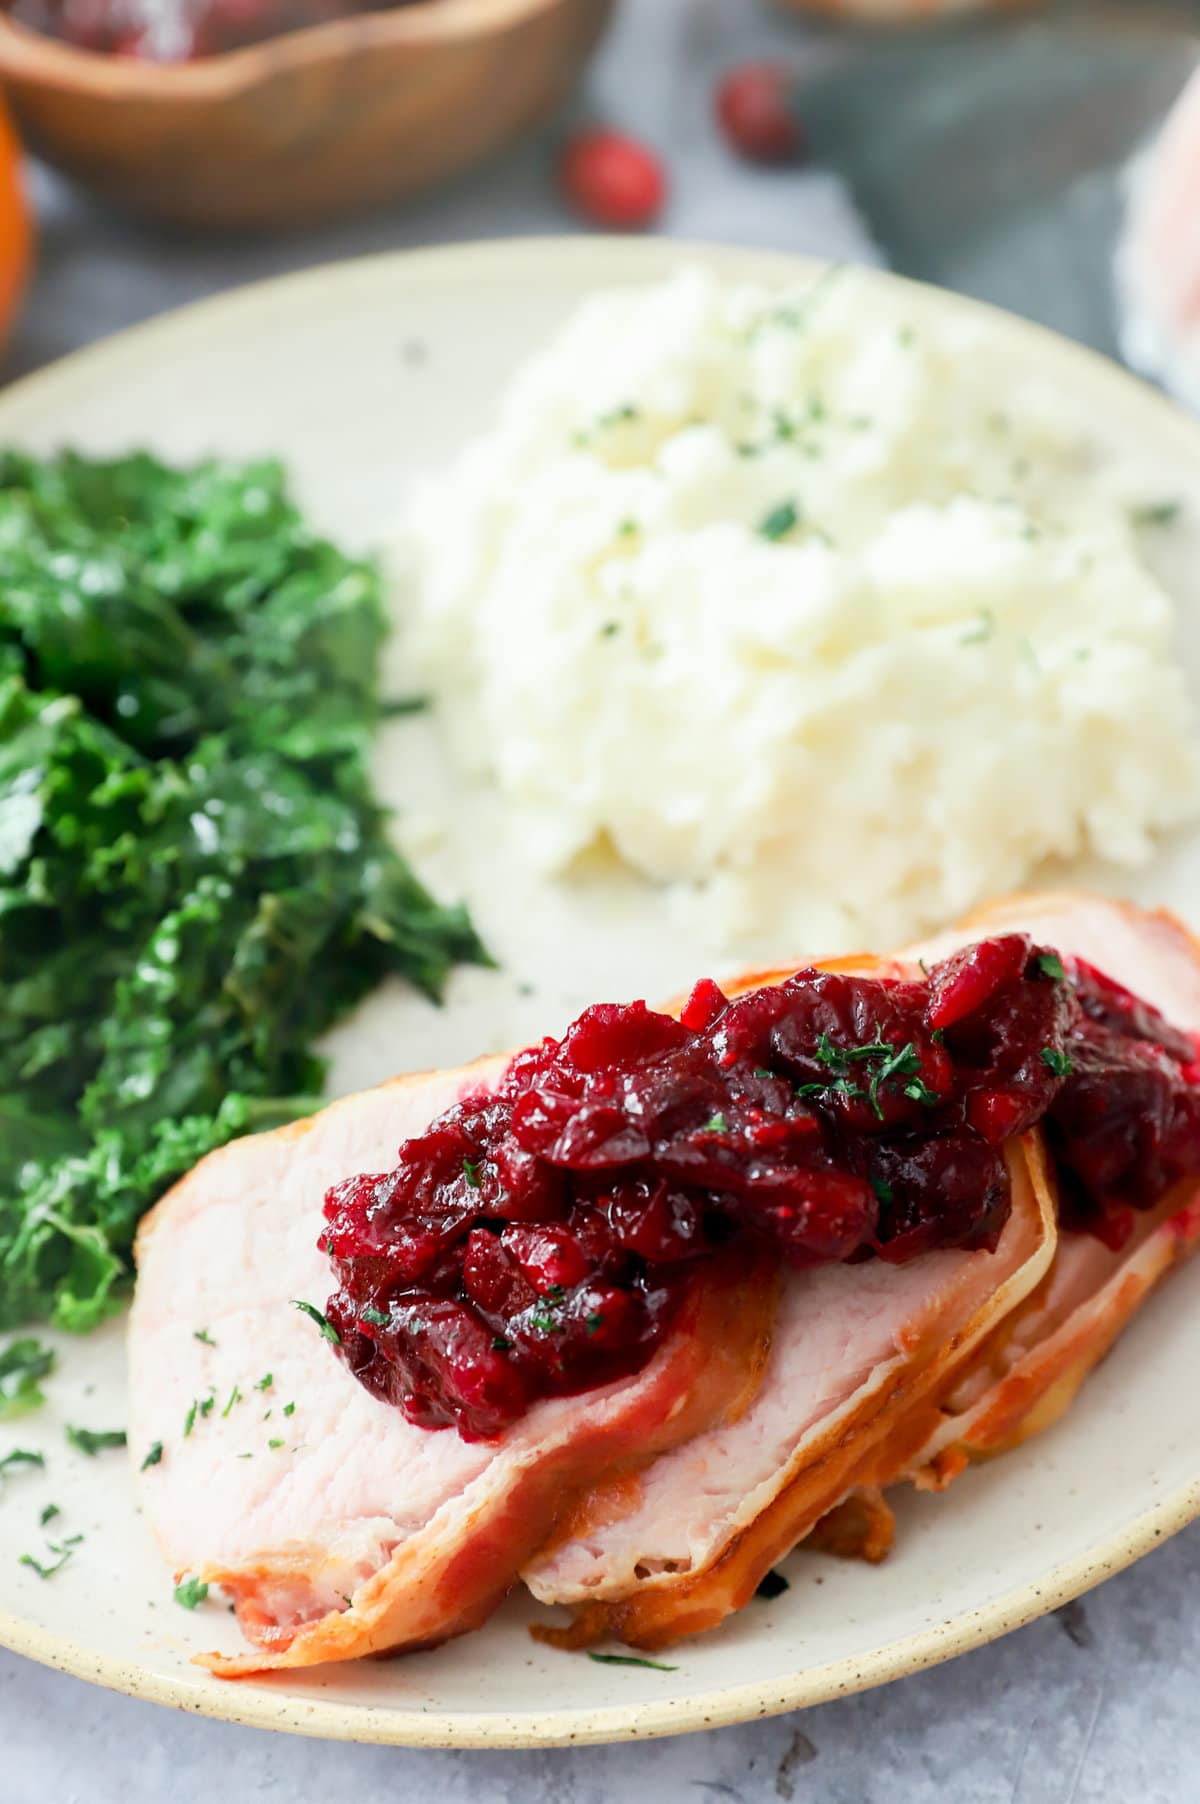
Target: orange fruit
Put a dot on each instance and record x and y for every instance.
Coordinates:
(16, 230)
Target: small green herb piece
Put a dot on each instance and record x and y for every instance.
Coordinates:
(191, 1593)
(202, 1335)
(771, 1585)
(48, 1514)
(189, 1421)
(500, 1345)
(593, 1323)
(882, 1189)
(45, 1572)
(781, 520)
(628, 1660)
(94, 1440)
(289, 1409)
(376, 1317)
(153, 1456)
(716, 1124)
(982, 631)
(761, 1071)
(1051, 965)
(1157, 513)
(401, 705)
(628, 529)
(208, 1404)
(918, 1090)
(22, 1363)
(314, 1314)
(471, 1172)
(609, 628)
(619, 416)
(21, 1456)
(1061, 1063)
(273, 1444)
(265, 1382)
(235, 1396)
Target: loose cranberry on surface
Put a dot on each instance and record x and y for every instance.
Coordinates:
(754, 108)
(613, 180)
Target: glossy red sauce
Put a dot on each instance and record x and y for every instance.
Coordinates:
(535, 1240)
(175, 31)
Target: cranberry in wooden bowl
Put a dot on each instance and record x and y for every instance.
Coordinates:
(334, 115)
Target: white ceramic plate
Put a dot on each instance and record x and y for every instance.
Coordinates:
(361, 375)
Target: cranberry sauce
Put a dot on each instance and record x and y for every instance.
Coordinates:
(536, 1239)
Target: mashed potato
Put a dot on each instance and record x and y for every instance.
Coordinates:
(795, 609)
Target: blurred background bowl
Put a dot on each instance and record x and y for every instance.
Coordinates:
(900, 12)
(304, 126)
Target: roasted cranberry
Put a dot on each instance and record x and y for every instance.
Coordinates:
(754, 107)
(613, 180)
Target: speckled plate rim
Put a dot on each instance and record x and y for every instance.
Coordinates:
(268, 1705)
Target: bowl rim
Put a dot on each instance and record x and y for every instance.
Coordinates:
(30, 59)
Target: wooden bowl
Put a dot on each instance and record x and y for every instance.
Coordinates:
(306, 125)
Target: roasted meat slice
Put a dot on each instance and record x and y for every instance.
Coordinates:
(856, 1349)
(337, 1527)
(706, 1522)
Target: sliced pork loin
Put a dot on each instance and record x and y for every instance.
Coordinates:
(338, 1528)
(690, 1542)
(673, 1551)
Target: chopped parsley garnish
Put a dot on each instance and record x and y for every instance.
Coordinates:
(593, 1323)
(982, 631)
(1051, 965)
(609, 628)
(202, 1335)
(235, 1396)
(22, 1363)
(1061, 1063)
(21, 1456)
(471, 1172)
(619, 416)
(882, 1189)
(761, 1071)
(289, 1409)
(780, 521)
(544, 1322)
(95, 1440)
(153, 1456)
(208, 1404)
(44, 1572)
(48, 1514)
(273, 1444)
(628, 1660)
(314, 1314)
(716, 1124)
(890, 1063)
(772, 1584)
(191, 1593)
(500, 1345)
(376, 1317)
(265, 1382)
(1157, 513)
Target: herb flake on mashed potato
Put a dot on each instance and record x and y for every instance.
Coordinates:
(799, 608)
